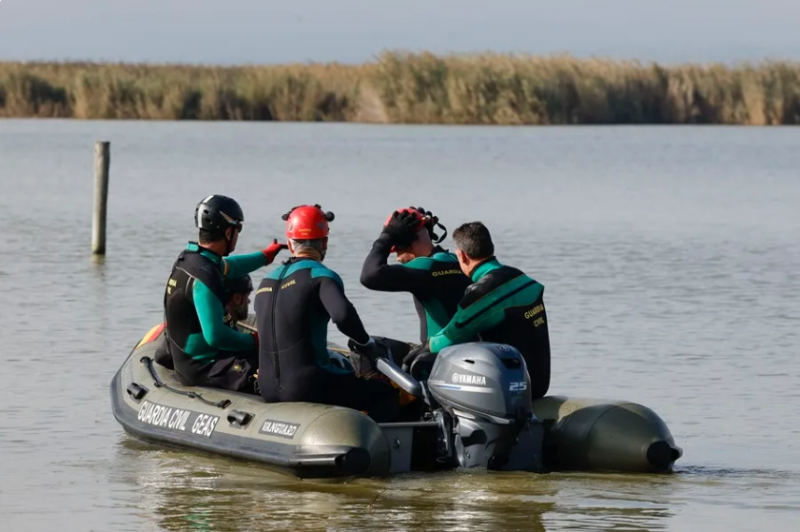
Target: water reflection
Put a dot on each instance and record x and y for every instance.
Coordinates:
(187, 491)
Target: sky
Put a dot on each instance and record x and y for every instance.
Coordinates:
(275, 31)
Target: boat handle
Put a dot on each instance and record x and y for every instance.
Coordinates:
(136, 391)
(236, 417)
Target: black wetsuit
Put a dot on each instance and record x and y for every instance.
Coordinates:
(436, 282)
(293, 305)
(163, 356)
(205, 350)
(505, 306)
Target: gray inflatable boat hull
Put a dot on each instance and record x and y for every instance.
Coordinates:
(313, 440)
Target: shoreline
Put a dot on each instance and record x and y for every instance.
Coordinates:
(419, 89)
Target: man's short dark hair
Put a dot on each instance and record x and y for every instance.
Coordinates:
(473, 238)
(209, 237)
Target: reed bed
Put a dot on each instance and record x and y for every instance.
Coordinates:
(412, 88)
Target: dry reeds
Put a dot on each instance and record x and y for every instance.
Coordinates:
(412, 88)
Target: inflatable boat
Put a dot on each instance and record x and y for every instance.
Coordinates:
(478, 414)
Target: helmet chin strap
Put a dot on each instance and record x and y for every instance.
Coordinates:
(229, 241)
(431, 222)
(436, 238)
(228, 246)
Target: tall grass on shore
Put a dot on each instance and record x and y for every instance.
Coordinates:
(412, 88)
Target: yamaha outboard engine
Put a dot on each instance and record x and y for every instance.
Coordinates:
(485, 392)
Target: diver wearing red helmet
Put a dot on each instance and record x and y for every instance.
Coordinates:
(294, 304)
(428, 271)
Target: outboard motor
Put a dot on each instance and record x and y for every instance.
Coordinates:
(485, 392)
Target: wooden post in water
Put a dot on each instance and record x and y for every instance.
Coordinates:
(102, 159)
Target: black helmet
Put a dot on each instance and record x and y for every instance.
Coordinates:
(216, 213)
(238, 285)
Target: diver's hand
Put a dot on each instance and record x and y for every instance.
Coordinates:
(429, 214)
(272, 250)
(402, 228)
(364, 357)
(414, 354)
(373, 349)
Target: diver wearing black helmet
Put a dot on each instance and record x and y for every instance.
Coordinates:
(205, 351)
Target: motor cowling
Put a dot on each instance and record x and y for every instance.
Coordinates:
(486, 389)
(483, 379)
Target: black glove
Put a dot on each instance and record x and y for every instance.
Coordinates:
(413, 355)
(365, 356)
(423, 211)
(402, 229)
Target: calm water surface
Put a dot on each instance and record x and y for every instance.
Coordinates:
(670, 256)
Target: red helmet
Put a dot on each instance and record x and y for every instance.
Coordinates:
(307, 222)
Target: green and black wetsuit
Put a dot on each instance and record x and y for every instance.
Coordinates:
(436, 282)
(503, 305)
(293, 305)
(205, 350)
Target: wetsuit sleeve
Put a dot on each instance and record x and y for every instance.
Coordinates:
(341, 310)
(377, 274)
(211, 315)
(238, 265)
(463, 328)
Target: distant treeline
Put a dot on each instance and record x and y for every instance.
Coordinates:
(412, 88)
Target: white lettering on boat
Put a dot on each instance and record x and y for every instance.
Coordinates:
(204, 425)
(279, 428)
(176, 418)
